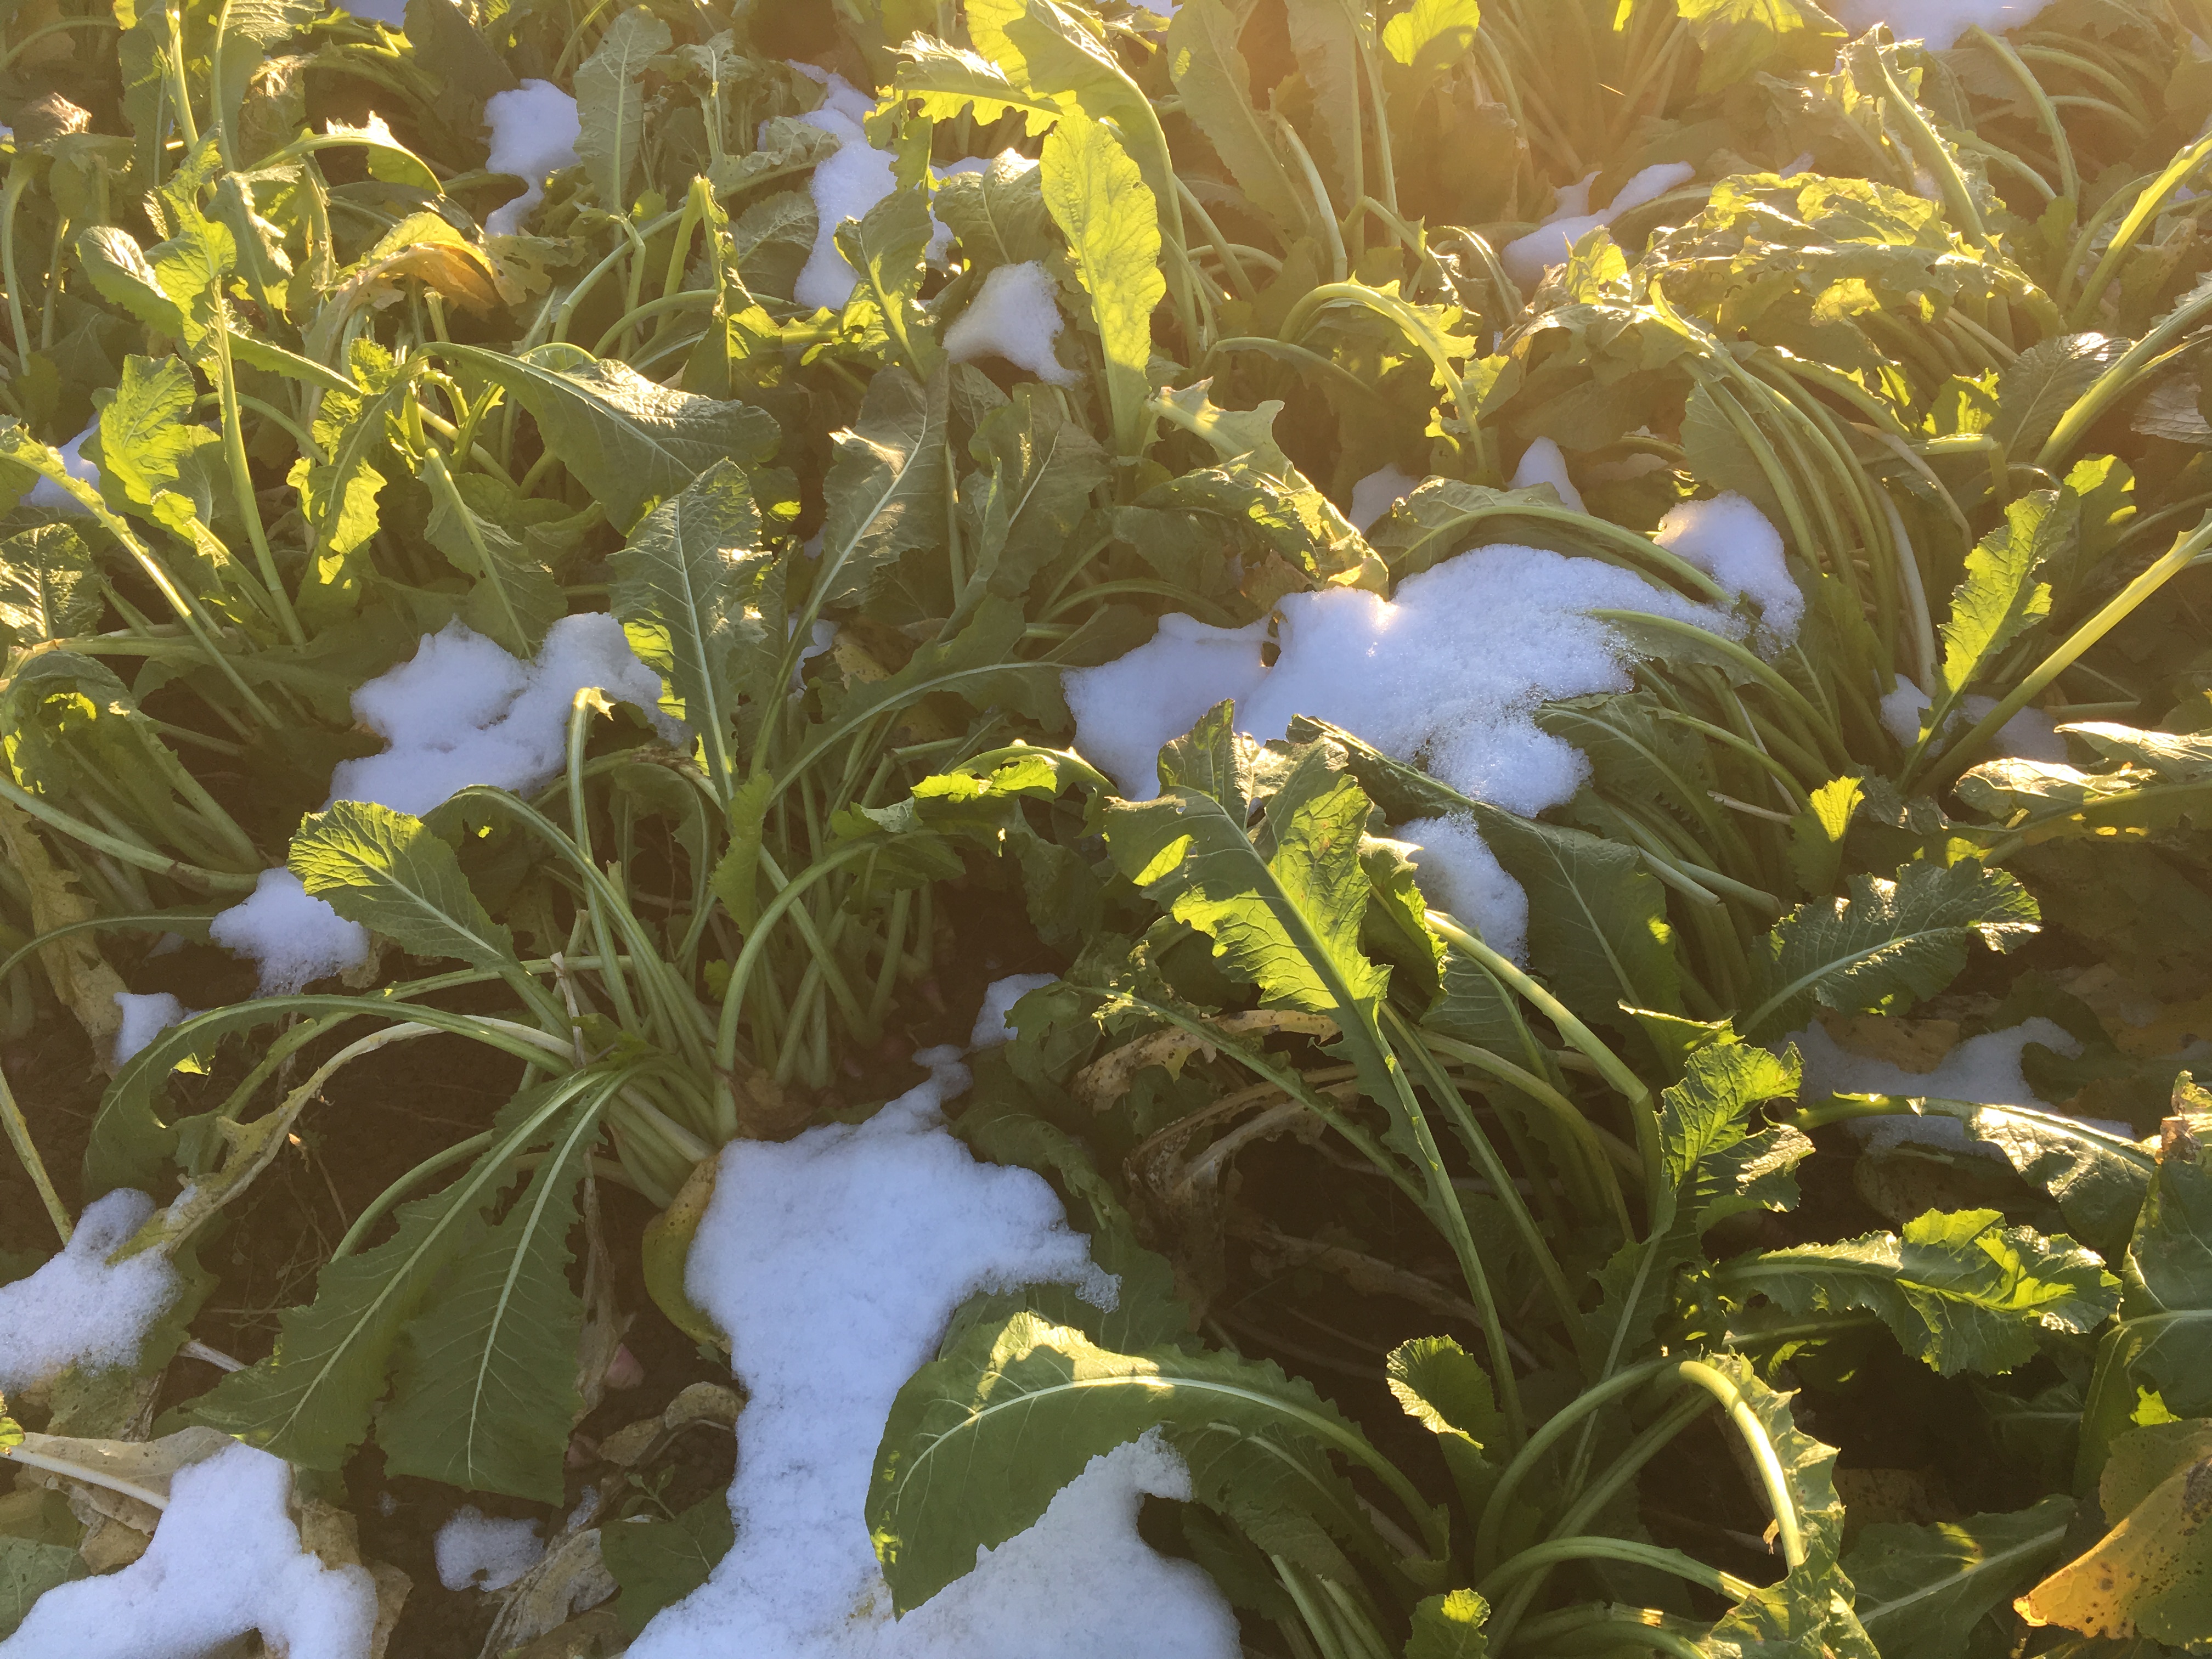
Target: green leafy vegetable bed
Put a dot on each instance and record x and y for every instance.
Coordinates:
(1566, 638)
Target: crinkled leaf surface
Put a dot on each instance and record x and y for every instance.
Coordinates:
(681, 588)
(981, 1438)
(2000, 598)
(628, 440)
(1961, 1291)
(1889, 943)
(1098, 197)
(386, 870)
(310, 1401)
(886, 488)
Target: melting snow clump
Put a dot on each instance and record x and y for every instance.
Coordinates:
(1526, 257)
(1984, 1069)
(534, 130)
(995, 1023)
(482, 1552)
(1458, 873)
(1731, 541)
(226, 1561)
(2028, 735)
(50, 495)
(77, 1310)
(1013, 316)
(860, 1241)
(294, 937)
(144, 1018)
(847, 184)
(1938, 22)
(844, 187)
(1126, 709)
(1447, 676)
(1542, 463)
(461, 711)
(1377, 494)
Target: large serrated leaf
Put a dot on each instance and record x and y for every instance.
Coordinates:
(611, 103)
(886, 488)
(48, 588)
(1040, 468)
(998, 214)
(1098, 197)
(1738, 39)
(2000, 598)
(338, 494)
(1960, 1291)
(386, 870)
(1921, 1589)
(1211, 76)
(681, 586)
(485, 1393)
(1597, 917)
(628, 440)
(2150, 1576)
(948, 80)
(146, 436)
(1889, 943)
(981, 1439)
(2041, 385)
(2166, 1338)
(1287, 921)
(310, 1401)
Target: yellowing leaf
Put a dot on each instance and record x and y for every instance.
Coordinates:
(1432, 34)
(2151, 1575)
(1100, 201)
(79, 974)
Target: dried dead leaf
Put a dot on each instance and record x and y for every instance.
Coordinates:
(570, 1579)
(111, 1543)
(1106, 1078)
(79, 974)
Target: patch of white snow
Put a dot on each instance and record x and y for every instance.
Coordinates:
(993, 1023)
(474, 1550)
(144, 1018)
(1527, 258)
(1458, 873)
(1377, 494)
(1126, 710)
(2030, 734)
(50, 496)
(1731, 541)
(1984, 1069)
(77, 1310)
(860, 1242)
(294, 937)
(225, 1561)
(1014, 315)
(844, 187)
(462, 711)
(1542, 463)
(391, 13)
(534, 130)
